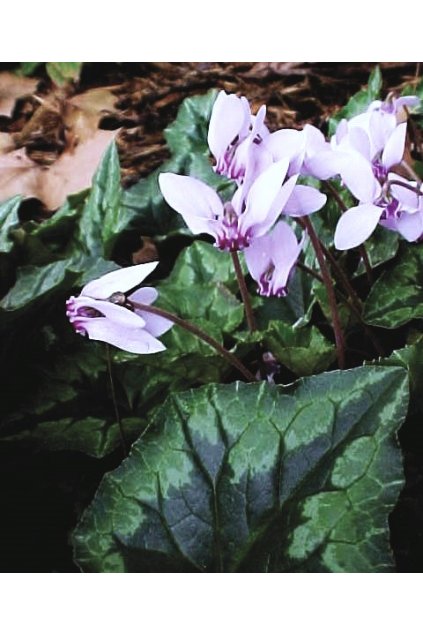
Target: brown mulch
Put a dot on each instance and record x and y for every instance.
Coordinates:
(148, 96)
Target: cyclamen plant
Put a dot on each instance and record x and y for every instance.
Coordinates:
(299, 438)
(364, 152)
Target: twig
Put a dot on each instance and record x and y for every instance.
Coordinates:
(231, 358)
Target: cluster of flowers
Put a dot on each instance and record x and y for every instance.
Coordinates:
(266, 168)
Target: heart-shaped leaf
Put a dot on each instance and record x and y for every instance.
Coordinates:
(256, 478)
(397, 296)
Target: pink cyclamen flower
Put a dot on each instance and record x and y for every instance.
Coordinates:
(235, 224)
(235, 137)
(103, 311)
(271, 259)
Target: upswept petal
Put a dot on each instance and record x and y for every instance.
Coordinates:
(358, 176)
(257, 256)
(136, 340)
(190, 196)
(394, 148)
(274, 254)
(264, 191)
(259, 159)
(359, 141)
(409, 199)
(146, 295)
(356, 225)
(118, 314)
(277, 207)
(286, 250)
(410, 226)
(154, 324)
(258, 126)
(288, 144)
(323, 164)
(304, 200)
(410, 101)
(118, 281)
(381, 126)
(340, 133)
(315, 140)
(229, 119)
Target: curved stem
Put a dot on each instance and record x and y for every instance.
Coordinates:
(115, 405)
(231, 358)
(349, 302)
(339, 337)
(249, 315)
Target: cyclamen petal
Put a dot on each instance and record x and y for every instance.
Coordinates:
(118, 281)
(356, 225)
(394, 148)
(303, 201)
(189, 196)
(410, 226)
(230, 119)
(358, 176)
(155, 324)
(271, 258)
(138, 341)
(110, 317)
(264, 191)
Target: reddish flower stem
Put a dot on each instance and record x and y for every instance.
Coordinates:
(339, 337)
(249, 315)
(193, 329)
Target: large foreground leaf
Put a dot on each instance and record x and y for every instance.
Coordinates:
(257, 478)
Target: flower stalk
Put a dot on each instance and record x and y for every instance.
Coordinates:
(195, 330)
(249, 314)
(123, 441)
(339, 336)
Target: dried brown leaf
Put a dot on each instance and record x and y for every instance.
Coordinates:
(18, 175)
(12, 88)
(74, 170)
(71, 173)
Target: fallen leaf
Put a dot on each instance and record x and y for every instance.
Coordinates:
(73, 170)
(12, 88)
(19, 175)
(71, 173)
(83, 112)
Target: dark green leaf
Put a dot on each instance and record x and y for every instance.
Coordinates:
(8, 221)
(304, 351)
(254, 478)
(39, 282)
(397, 296)
(93, 436)
(359, 102)
(381, 247)
(103, 218)
(63, 72)
(27, 68)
